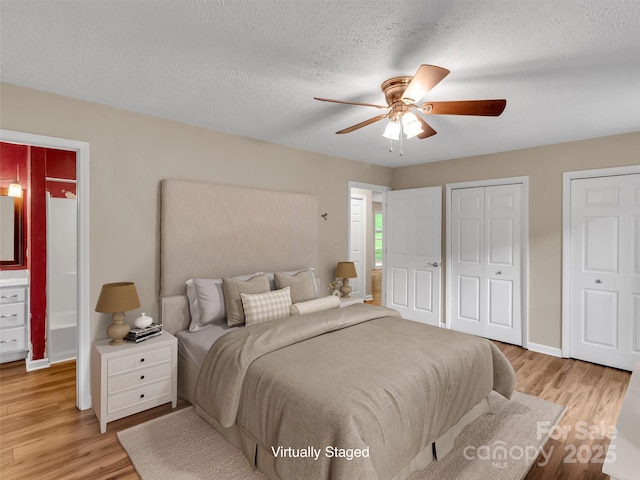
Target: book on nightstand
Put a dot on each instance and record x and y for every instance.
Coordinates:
(137, 335)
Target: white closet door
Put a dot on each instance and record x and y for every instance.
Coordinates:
(605, 270)
(413, 253)
(468, 260)
(503, 269)
(486, 261)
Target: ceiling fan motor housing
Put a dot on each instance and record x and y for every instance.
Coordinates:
(393, 90)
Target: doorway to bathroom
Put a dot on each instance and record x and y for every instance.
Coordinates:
(48, 232)
(79, 151)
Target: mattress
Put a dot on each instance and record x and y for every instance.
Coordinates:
(194, 346)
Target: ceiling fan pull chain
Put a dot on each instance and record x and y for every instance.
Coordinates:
(401, 132)
(390, 145)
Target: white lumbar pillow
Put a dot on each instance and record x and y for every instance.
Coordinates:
(316, 305)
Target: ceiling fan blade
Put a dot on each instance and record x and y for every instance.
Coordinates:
(362, 124)
(349, 103)
(427, 77)
(486, 108)
(427, 131)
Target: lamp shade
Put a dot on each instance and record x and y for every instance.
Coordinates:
(15, 190)
(346, 270)
(411, 125)
(392, 132)
(117, 297)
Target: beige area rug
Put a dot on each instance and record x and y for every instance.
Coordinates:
(499, 446)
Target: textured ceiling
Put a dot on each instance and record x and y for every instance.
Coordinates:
(569, 69)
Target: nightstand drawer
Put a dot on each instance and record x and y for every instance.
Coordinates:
(137, 396)
(137, 360)
(12, 295)
(11, 315)
(12, 340)
(141, 376)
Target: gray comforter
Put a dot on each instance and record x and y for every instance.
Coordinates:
(328, 386)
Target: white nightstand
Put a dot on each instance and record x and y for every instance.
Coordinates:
(130, 378)
(345, 302)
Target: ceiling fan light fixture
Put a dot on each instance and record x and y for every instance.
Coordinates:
(410, 125)
(392, 132)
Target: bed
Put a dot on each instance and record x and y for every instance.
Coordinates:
(342, 393)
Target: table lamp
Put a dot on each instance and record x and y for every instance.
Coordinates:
(117, 298)
(345, 271)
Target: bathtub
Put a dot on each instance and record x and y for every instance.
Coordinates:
(61, 342)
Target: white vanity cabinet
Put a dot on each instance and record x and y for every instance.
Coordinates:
(14, 318)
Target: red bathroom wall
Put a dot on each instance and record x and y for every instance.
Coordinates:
(37, 248)
(61, 164)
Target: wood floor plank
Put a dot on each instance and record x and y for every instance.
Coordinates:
(43, 435)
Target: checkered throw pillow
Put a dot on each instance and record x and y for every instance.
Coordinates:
(261, 307)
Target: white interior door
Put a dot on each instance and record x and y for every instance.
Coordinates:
(358, 247)
(503, 267)
(467, 260)
(605, 270)
(413, 253)
(486, 261)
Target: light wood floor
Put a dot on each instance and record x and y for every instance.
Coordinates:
(43, 435)
(376, 287)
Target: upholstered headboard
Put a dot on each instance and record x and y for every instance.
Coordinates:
(213, 231)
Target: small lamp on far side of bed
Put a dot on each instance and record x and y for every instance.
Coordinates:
(345, 271)
(117, 298)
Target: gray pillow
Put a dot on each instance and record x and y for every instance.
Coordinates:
(232, 288)
(206, 302)
(302, 285)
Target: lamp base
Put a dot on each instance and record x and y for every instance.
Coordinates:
(118, 329)
(345, 289)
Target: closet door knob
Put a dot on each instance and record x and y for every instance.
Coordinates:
(498, 272)
(598, 281)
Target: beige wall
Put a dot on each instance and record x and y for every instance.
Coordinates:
(544, 166)
(130, 153)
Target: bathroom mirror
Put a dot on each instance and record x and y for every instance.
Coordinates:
(11, 238)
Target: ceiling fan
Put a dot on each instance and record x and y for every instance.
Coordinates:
(403, 92)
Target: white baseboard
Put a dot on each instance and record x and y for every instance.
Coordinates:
(537, 347)
(37, 364)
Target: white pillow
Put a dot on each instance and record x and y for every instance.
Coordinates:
(316, 305)
(206, 300)
(262, 307)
